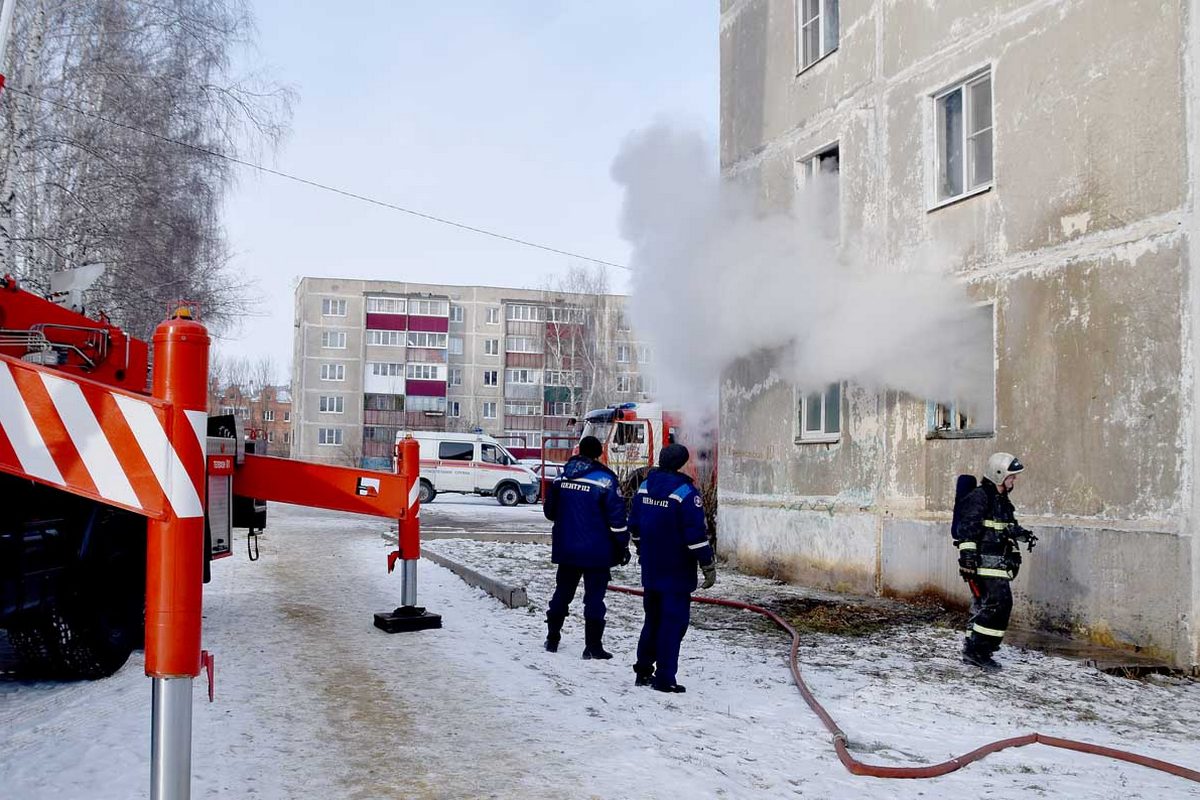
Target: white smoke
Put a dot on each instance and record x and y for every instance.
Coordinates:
(716, 280)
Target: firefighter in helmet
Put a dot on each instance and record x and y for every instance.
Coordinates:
(986, 534)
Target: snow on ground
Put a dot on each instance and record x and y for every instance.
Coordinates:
(312, 701)
(453, 512)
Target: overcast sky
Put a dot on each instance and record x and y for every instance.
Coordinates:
(502, 115)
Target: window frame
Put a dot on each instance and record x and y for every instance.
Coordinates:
(337, 335)
(805, 435)
(491, 347)
(335, 368)
(394, 338)
(456, 313)
(387, 305)
(821, 20)
(331, 404)
(963, 85)
(495, 377)
(324, 434)
(493, 315)
(328, 304)
(430, 337)
(454, 376)
(269, 415)
(627, 351)
(951, 410)
(486, 405)
(453, 408)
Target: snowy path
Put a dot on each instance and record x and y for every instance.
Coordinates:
(312, 701)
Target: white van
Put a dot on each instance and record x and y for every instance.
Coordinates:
(471, 463)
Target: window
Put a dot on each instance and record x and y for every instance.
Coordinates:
(644, 384)
(429, 405)
(456, 313)
(489, 410)
(287, 416)
(456, 376)
(523, 409)
(385, 305)
(424, 372)
(383, 402)
(455, 344)
(333, 308)
(820, 415)
(269, 415)
(522, 344)
(493, 316)
(644, 354)
(527, 376)
(385, 338)
(524, 313)
(490, 377)
(429, 308)
(456, 451)
(390, 369)
(491, 347)
(329, 436)
(453, 409)
(332, 404)
(622, 322)
(333, 372)
(531, 439)
(561, 409)
(287, 437)
(972, 416)
(622, 354)
(569, 315)
(555, 377)
(817, 30)
(624, 383)
(426, 339)
(335, 340)
(270, 436)
(964, 138)
(821, 170)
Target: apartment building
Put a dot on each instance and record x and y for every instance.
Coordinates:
(1015, 135)
(266, 415)
(372, 358)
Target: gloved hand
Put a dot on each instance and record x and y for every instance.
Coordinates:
(968, 562)
(710, 575)
(625, 556)
(1026, 536)
(1013, 561)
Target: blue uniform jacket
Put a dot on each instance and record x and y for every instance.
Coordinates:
(668, 521)
(588, 515)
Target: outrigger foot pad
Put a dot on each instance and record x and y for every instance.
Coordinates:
(407, 618)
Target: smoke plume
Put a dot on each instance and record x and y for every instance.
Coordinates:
(716, 279)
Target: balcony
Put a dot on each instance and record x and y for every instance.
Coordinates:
(533, 360)
(426, 355)
(523, 391)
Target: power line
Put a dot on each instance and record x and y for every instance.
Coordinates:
(316, 184)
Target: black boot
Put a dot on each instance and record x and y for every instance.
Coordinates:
(979, 659)
(554, 625)
(673, 688)
(645, 675)
(593, 633)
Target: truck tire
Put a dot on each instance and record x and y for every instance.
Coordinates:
(426, 493)
(508, 494)
(93, 642)
(29, 637)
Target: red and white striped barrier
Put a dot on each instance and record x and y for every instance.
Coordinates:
(103, 443)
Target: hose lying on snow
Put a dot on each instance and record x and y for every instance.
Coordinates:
(857, 767)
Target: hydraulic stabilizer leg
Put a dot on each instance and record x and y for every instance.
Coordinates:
(409, 616)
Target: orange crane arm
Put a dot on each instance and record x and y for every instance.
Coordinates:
(359, 491)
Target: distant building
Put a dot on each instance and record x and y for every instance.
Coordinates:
(266, 415)
(1017, 135)
(373, 358)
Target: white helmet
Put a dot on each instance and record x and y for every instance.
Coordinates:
(1000, 466)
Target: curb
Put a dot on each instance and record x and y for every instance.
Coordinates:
(511, 596)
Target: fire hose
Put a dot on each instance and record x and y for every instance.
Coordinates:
(857, 767)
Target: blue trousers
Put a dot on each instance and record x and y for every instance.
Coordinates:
(667, 616)
(595, 584)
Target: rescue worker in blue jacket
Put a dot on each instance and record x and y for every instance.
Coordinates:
(986, 535)
(668, 530)
(589, 537)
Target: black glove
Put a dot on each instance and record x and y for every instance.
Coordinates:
(968, 562)
(1013, 561)
(625, 556)
(1026, 536)
(710, 575)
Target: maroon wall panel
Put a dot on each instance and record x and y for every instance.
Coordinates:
(435, 324)
(387, 322)
(425, 388)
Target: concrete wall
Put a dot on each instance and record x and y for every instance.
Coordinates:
(1083, 243)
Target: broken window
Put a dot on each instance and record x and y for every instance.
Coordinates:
(820, 415)
(964, 137)
(820, 172)
(817, 30)
(974, 413)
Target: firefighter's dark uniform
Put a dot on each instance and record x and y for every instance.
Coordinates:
(667, 524)
(589, 536)
(987, 525)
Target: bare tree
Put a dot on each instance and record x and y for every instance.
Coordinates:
(581, 322)
(115, 118)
